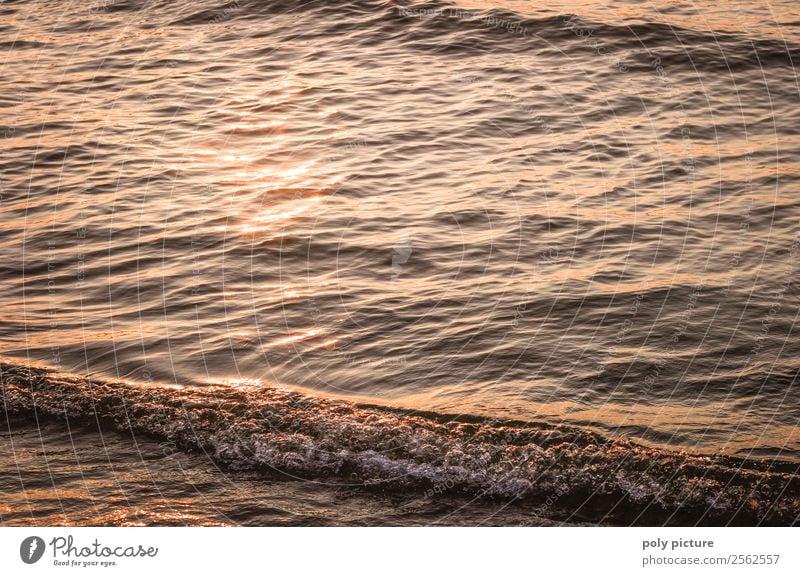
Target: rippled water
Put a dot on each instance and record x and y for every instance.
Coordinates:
(583, 214)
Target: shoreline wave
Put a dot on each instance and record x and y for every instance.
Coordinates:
(290, 435)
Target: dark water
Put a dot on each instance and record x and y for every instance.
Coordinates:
(575, 228)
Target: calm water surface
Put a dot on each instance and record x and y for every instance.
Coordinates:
(582, 214)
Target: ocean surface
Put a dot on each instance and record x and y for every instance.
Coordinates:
(369, 262)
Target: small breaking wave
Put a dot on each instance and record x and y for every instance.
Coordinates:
(285, 433)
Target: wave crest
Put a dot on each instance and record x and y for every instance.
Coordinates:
(287, 433)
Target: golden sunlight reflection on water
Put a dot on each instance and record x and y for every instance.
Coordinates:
(493, 232)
